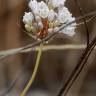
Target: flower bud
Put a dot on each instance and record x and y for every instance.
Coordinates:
(28, 27)
(28, 18)
(52, 15)
(43, 9)
(38, 19)
(33, 5)
(57, 3)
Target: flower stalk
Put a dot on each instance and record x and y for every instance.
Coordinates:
(24, 92)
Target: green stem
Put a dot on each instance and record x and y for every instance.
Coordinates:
(24, 92)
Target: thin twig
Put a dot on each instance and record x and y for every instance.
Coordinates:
(51, 35)
(89, 20)
(48, 48)
(79, 69)
(84, 19)
(75, 73)
(83, 60)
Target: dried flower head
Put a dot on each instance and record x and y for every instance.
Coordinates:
(47, 18)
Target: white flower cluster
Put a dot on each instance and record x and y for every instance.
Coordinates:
(44, 18)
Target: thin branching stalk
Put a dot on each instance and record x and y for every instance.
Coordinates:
(51, 35)
(75, 73)
(34, 72)
(83, 60)
(12, 51)
(84, 19)
(80, 69)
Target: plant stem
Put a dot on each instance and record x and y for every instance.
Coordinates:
(79, 67)
(24, 92)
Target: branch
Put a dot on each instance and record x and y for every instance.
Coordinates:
(78, 68)
(49, 36)
(84, 19)
(47, 48)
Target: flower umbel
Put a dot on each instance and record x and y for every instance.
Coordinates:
(44, 18)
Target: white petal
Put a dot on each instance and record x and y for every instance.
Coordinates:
(28, 18)
(70, 31)
(38, 19)
(43, 9)
(62, 18)
(57, 3)
(52, 15)
(64, 15)
(33, 5)
(28, 27)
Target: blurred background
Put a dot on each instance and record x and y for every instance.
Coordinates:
(55, 65)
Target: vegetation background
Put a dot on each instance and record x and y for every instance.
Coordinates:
(55, 65)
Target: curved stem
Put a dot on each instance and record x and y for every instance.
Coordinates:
(34, 72)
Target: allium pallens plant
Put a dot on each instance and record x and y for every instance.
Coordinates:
(43, 19)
